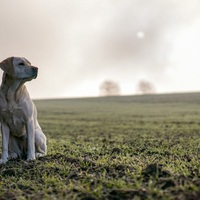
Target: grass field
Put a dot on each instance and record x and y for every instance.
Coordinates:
(137, 147)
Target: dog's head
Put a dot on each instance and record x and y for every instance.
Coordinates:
(19, 68)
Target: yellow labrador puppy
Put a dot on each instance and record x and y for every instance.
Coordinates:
(21, 132)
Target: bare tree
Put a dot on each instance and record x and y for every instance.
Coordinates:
(109, 88)
(146, 87)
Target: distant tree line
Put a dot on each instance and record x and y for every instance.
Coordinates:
(112, 88)
(109, 88)
(146, 87)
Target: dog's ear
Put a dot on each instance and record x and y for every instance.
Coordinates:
(7, 66)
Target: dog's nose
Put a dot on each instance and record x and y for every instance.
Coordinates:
(35, 69)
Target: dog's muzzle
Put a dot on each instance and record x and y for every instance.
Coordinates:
(35, 71)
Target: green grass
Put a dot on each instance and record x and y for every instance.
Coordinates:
(139, 147)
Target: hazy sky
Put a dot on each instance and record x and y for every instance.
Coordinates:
(77, 44)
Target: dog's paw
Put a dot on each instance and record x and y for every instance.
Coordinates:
(13, 156)
(2, 161)
(30, 158)
(38, 155)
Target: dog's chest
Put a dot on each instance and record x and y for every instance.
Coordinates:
(15, 119)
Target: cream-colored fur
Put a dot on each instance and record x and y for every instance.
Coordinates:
(21, 132)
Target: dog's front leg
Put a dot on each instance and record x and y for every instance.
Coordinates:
(5, 142)
(31, 139)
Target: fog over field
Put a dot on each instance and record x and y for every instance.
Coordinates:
(79, 44)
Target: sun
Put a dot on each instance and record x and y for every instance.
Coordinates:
(140, 34)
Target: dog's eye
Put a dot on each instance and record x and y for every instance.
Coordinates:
(21, 63)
